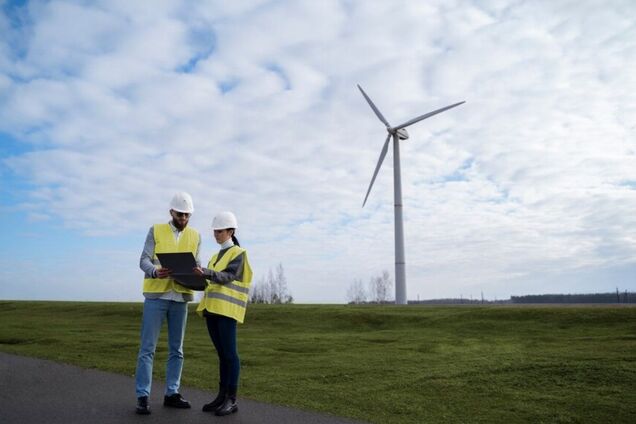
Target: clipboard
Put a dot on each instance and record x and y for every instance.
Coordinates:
(181, 264)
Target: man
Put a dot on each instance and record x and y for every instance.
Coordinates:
(165, 300)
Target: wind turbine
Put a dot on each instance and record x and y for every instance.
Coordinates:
(398, 133)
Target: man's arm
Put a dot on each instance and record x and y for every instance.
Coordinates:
(145, 261)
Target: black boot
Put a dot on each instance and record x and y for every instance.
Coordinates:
(176, 401)
(218, 400)
(229, 405)
(142, 405)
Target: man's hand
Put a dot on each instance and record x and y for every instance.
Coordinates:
(163, 272)
(198, 271)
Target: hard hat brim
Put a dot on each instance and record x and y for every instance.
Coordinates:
(182, 211)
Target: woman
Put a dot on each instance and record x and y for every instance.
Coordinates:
(223, 305)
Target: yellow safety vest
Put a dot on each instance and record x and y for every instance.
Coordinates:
(166, 243)
(228, 299)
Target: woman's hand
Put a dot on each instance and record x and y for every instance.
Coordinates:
(198, 271)
(163, 272)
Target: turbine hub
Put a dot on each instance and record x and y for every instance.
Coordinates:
(402, 134)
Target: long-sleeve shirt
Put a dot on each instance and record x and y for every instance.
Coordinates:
(148, 266)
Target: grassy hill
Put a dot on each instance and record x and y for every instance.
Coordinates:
(382, 364)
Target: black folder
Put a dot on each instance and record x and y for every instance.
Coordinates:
(181, 265)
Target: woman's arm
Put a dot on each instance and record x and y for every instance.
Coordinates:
(233, 271)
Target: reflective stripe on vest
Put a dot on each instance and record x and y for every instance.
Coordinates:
(166, 243)
(238, 288)
(228, 299)
(213, 295)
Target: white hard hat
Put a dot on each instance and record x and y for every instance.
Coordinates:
(182, 202)
(224, 220)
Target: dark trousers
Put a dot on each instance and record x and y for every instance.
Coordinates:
(222, 331)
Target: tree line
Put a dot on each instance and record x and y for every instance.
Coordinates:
(272, 289)
(618, 297)
(379, 289)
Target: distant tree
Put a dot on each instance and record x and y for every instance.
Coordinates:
(356, 292)
(272, 288)
(380, 287)
(279, 286)
(257, 292)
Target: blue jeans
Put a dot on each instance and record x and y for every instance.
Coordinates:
(156, 311)
(222, 331)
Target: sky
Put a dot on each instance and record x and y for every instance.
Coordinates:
(107, 108)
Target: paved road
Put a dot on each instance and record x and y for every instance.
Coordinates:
(46, 392)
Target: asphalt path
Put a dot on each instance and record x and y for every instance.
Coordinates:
(41, 391)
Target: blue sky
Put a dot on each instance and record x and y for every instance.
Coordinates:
(108, 108)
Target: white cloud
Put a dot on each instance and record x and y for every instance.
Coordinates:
(253, 108)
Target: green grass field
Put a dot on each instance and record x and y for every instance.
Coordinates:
(382, 364)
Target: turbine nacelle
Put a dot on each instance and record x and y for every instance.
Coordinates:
(402, 133)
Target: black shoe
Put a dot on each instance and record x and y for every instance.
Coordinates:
(176, 401)
(142, 406)
(218, 401)
(229, 406)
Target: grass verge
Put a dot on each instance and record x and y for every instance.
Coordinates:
(381, 364)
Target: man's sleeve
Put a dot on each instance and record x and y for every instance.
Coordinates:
(145, 261)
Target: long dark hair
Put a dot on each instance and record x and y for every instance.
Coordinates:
(234, 239)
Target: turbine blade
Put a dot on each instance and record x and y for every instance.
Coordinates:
(428, 115)
(377, 167)
(375, 109)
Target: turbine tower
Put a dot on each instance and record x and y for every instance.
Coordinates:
(397, 133)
